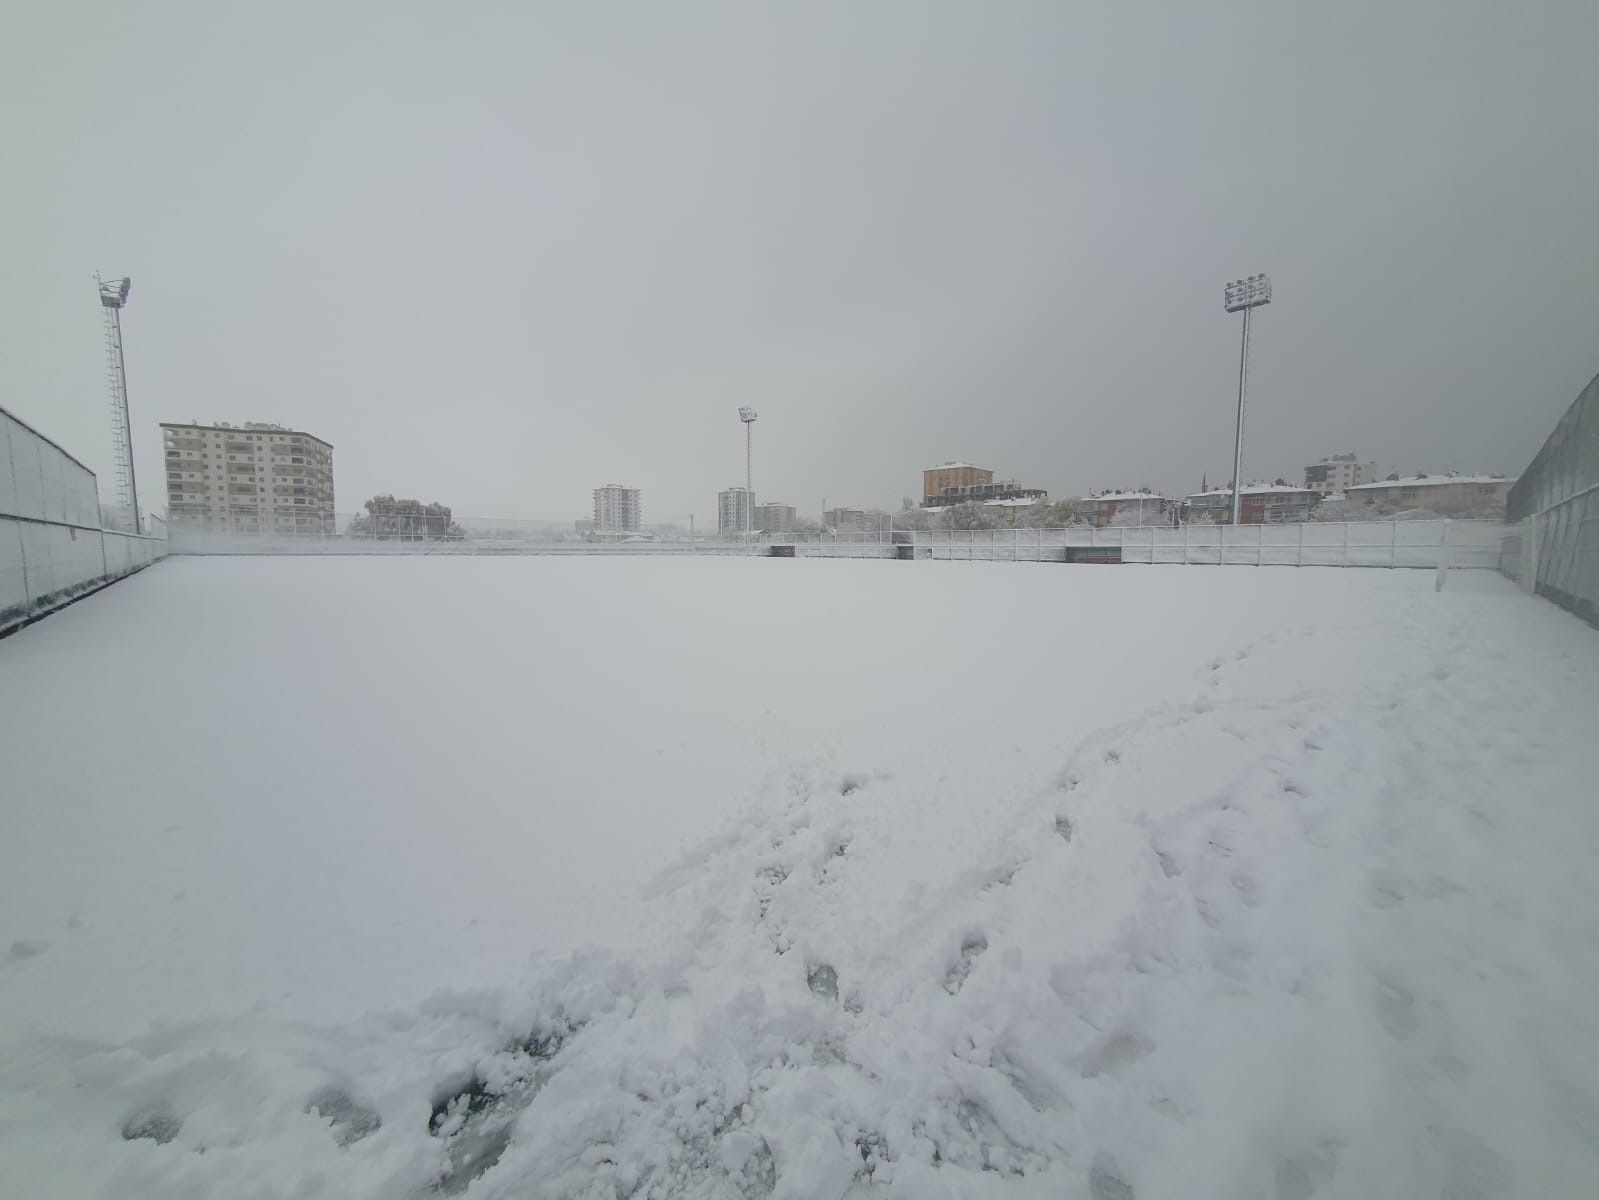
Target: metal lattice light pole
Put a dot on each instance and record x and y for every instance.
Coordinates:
(747, 415)
(1244, 295)
(113, 295)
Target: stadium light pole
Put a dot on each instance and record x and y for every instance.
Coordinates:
(113, 295)
(1243, 295)
(747, 415)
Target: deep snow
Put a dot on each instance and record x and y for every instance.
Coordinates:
(810, 878)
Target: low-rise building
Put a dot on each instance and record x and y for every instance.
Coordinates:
(1142, 507)
(1447, 494)
(1258, 504)
(983, 493)
(844, 520)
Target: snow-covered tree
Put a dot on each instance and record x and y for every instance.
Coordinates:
(972, 516)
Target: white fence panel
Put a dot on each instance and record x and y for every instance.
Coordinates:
(52, 548)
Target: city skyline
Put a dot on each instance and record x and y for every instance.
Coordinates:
(1003, 236)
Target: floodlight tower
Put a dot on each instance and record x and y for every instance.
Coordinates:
(113, 295)
(1244, 295)
(747, 415)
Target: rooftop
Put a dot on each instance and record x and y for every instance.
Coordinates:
(1254, 489)
(1430, 481)
(246, 427)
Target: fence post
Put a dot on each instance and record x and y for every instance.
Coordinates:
(1301, 561)
(1345, 563)
(1443, 558)
(1393, 543)
(1530, 554)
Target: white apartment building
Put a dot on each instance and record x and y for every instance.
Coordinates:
(733, 510)
(618, 509)
(1337, 474)
(255, 478)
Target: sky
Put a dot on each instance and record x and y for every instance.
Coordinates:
(500, 254)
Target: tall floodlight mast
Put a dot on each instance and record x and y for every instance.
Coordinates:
(1243, 295)
(747, 415)
(113, 295)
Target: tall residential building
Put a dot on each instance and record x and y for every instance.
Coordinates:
(775, 518)
(733, 510)
(1337, 474)
(254, 478)
(953, 475)
(618, 509)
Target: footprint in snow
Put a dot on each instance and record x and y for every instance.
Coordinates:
(823, 981)
(350, 1119)
(1116, 1055)
(1247, 887)
(1396, 1009)
(157, 1121)
(1105, 1181)
(1301, 1177)
(972, 948)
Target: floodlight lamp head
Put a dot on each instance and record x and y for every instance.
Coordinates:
(1247, 293)
(115, 293)
(746, 414)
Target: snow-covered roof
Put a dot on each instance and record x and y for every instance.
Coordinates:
(1020, 502)
(1125, 496)
(1429, 481)
(1254, 489)
(945, 466)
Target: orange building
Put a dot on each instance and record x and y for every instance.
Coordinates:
(951, 475)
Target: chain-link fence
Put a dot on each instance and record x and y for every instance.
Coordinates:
(1552, 544)
(1417, 543)
(53, 547)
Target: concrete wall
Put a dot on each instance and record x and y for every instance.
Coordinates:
(52, 548)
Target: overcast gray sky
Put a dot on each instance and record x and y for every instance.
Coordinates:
(501, 253)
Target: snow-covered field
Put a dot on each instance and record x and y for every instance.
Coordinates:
(741, 877)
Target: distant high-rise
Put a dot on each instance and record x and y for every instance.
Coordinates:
(617, 509)
(733, 510)
(253, 478)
